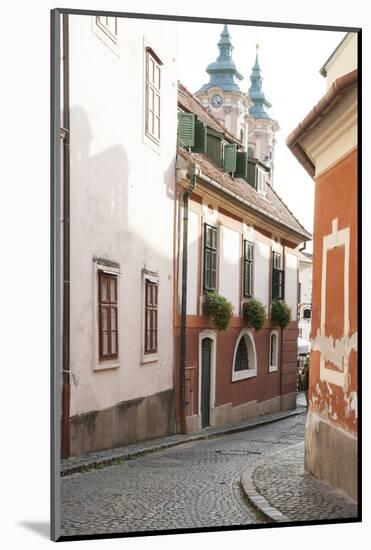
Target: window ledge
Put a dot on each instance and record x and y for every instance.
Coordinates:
(243, 375)
(273, 368)
(107, 366)
(150, 358)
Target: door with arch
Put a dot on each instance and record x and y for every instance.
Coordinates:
(206, 355)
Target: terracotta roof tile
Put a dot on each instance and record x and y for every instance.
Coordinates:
(270, 205)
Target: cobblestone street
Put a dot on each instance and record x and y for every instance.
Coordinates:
(194, 485)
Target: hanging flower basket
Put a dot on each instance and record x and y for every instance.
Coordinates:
(281, 314)
(254, 314)
(219, 309)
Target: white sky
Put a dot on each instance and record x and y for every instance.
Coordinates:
(290, 60)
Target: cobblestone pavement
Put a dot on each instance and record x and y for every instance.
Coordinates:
(193, 485)
(110, 456)
(281, 480)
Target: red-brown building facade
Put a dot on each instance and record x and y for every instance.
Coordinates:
(326, 144)
(239, 234)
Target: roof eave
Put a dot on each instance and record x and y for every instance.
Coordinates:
(338, 88)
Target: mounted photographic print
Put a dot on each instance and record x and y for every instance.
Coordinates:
(204, 280)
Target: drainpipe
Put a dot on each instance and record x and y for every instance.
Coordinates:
(281, 366)
(65, 443)
(193, 172)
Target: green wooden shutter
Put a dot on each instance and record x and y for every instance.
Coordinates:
(251, 174)
(200, 137)
(186, 129)
(229, 161)
(241, 165)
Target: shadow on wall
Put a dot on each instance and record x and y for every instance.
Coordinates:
(107, 221)
(99, 187)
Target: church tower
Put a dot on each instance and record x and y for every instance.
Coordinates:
(222, 95)
(244, 114)
(262, 128)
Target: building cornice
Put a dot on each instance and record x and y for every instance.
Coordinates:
(328, 101)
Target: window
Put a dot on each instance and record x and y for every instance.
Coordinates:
(108, 26)
(277, 277)
(248, 258)
(210, 244)
(306, 313)
(242, 356)
(260, 179)
(108, 315)
(244, 361)
(153, 100)
(214, 147)
(273, 352)
(151, 321)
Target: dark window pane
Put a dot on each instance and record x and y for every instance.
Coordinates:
(242, 359)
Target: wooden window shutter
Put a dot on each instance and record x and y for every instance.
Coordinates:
(200, 137)
(241, 165)
(229, 163)
(251, 174)
(186, 129)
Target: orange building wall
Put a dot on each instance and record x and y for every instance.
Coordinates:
(335, 197)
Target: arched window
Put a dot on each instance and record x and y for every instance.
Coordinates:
(306, 313)
(244, 360)
(273, 351)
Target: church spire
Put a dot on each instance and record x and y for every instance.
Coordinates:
(259, 102)
(223, 72)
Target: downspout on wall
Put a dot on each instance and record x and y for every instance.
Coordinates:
(192, 171)
(66, 374)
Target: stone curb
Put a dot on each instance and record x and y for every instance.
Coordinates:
(130, 455)
(256, 499)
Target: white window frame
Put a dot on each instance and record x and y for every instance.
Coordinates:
(273, 368)
(261, 180)
(152, 276)
(106, 364)
(147, 139)
(250, 372)
(105, 35)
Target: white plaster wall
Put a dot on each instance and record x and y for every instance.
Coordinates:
(291, 283)
(193, 262)
(262, 272)
(335, 135)
(305, 279)
(229, 266)
(122, 206)
(344, 61)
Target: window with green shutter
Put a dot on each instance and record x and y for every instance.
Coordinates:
(241, 165)
(186, 129)
(277, 277)
(248, 262)
(200, 144)
(214, 147)
(210, 249)
(230, 157)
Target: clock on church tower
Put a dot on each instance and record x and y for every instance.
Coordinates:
(216, 101)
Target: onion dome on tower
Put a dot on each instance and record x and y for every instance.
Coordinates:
(223, 72)
(259, 101)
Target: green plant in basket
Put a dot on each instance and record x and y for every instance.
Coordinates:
(281, 314)
(219, 309)
(254, 314)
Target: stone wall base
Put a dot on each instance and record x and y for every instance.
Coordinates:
(127, 422)
(331, 454)
(227, 414)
